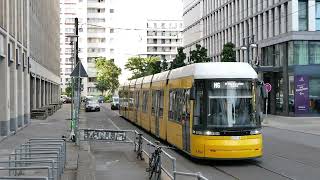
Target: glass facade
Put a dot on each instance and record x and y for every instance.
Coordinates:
(304, 52)
(303, 15)
(318, 15)
(314, 94)
(293, 70)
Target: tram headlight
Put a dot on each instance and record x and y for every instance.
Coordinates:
(207, 133)
(255, 132)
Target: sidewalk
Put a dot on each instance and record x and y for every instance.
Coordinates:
(310, 125)
(54, 126)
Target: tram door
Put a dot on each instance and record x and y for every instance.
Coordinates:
(137, 99)
(157, 112)
(186, 121)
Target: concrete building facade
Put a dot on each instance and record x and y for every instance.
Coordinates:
(163, 38)
(29, 60)
(96, 34)
(288, 40)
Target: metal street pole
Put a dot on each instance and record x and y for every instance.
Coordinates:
(76, 23)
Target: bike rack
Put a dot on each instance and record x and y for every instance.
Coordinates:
(49, 152)
(138, 147)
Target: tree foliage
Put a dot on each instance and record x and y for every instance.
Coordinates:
(164, 65)
(178, 61)
(199, 55)
(107, 75)
(143, 66)
(68, 90)
(228, 54)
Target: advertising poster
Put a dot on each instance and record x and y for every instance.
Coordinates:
(301, 94)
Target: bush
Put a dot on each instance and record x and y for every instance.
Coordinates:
(108, 98)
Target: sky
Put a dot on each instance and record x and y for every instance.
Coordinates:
(133, 14)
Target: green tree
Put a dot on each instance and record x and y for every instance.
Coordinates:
(68, 90)
(199, 55)
(102, 85)
(228, 54)
(164, 65)
(153, 65)
(137, 66)
(178, 61)
(143, 66)
(107, 75)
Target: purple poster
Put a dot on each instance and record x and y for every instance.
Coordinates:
(301, 103)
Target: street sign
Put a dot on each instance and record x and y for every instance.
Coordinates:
(268, 87)
(75, 72)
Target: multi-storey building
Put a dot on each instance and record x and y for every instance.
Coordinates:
(96, 37)
(29, 60)
(286, 39)
(163, 38)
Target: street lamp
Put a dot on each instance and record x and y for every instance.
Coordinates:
(248, 43)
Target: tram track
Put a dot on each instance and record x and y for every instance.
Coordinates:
(270, 170)
(231, 171)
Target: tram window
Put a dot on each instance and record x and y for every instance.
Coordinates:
(137, 100)
(161, 104)
(177, 104)
(145, 101)
(154, 101)
(171, 99)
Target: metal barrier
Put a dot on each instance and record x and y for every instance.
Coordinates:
(24, 177)
(196, 175)
(172, 173)
(139, 142)
(50, 152)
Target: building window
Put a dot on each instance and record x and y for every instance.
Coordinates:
(92, 79)
(2, 54)
(111, 10)
(314, 95)
(318, 15)
(111, 30)
(314, 52)
(303, 15)
(300, 52)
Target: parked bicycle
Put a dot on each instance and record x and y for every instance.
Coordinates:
(154, 168)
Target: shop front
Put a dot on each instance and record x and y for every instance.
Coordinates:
(293, 70)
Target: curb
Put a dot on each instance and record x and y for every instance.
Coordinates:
(303, 132)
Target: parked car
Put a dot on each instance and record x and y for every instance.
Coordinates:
(101, 99)
(92, 105)
(65, 99)
(115, 105)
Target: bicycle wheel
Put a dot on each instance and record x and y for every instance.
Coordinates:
(150, 169)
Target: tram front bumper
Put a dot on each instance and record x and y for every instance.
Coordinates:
(234, 147)
(229, 147)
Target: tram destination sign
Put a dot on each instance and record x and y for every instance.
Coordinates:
(104, 135)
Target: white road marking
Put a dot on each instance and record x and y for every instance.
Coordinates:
(117, 127)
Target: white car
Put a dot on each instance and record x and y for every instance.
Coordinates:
(92, 105)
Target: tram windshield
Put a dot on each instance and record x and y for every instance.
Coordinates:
(230, 104)
(227, 104)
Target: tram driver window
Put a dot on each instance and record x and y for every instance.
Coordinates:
(198, 109)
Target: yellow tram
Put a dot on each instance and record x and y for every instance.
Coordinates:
(208, 110)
